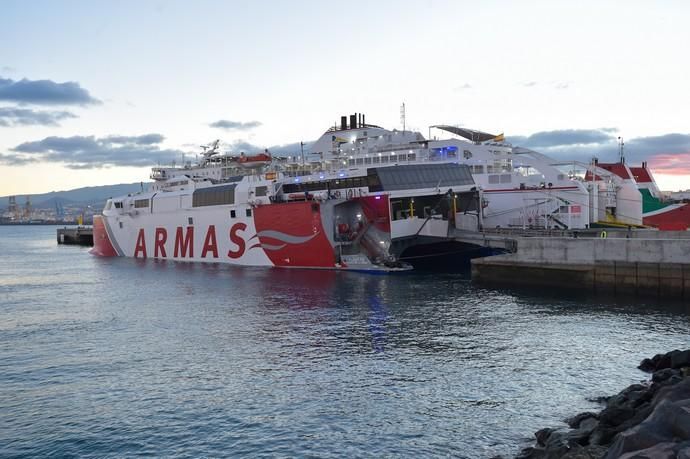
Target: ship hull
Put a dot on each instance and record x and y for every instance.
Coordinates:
(287, 235)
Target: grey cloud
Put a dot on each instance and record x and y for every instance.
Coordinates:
(561, 85)
(583, 144)
(564, 137)
(89, 152)
(146, 139)
(529, 84)
(45, 92)
(7, 68)
(235, 125)
(15, 160)
(13, 116)
(463, 87)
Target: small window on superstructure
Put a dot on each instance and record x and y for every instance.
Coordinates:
(190, 220)
(141, 203)
(233, 214)
(249, 212)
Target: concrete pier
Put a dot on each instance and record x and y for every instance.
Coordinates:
(80, 235)
(645, 263)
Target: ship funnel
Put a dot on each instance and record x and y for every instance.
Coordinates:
(353, 121)
(343, 122)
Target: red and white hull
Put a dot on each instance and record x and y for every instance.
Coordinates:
(290, 234)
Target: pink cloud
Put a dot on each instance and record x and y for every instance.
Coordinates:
(670, 163)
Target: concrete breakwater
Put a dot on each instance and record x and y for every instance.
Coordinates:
(645, 263)
(80, 235)
(646, 420)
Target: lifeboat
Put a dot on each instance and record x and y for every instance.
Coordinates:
(250, 162)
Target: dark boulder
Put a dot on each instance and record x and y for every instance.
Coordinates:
(663, 375)
(647, 365)
(668, 423)
(586, 452)
(574, 422)
(543, 435)
(659, 451)
(680, 359)
(616, 415)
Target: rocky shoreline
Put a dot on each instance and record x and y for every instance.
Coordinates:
(646, 420)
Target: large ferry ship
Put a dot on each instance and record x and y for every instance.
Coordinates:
(355, 219)
(361, 197)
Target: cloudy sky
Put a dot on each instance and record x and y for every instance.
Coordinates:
(96, 92)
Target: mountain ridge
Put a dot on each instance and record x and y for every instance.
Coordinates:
(85, 196)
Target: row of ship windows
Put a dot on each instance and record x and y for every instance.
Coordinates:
(381, 159)
(479, 169)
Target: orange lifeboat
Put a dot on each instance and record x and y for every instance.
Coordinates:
(259, 160)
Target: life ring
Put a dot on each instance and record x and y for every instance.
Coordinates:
(349, 193)
(337, 194)
(603, 234)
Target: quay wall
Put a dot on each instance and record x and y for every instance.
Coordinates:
(655, 267)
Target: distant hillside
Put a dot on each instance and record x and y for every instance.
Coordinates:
(88, 196)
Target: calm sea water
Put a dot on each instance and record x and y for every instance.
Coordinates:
(119, 357)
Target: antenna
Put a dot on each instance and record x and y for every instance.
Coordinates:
(621, 152)
(402, 115)
(301, 145)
